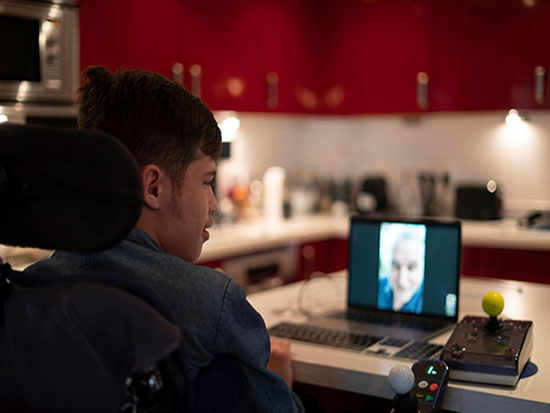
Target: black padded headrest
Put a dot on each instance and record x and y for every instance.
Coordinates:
(66, 189)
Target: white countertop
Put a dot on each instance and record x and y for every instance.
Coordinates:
(243, 238)
(367, 374)
(504, 233)
(231, 240)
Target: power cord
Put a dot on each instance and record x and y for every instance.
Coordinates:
(301, 293)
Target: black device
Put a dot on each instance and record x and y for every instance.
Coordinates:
(431, 378)
(477, 202)
(372, 195)
(420, 389)
(538, 220)
(485, 351)
(489, 349)
(369, 322)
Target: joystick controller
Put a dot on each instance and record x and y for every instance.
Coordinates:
(489, 349)
(493, 304)
(420, 389)
(401, 381)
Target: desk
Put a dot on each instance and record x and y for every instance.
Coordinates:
(366, 374)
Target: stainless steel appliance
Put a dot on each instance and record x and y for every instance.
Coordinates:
(372, 195)
(40, 51)
(263, 270)
(478, 202)
(48, 115)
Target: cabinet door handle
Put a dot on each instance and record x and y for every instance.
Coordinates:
(539, 84)
(177, 73)
(422, 80)
(308, 255)
(272, 80)
(195, 72)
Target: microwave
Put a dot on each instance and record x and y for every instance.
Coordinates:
(40, 53)
(40, 114)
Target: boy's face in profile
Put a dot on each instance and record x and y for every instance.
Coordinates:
(406, 269)
(190, 204)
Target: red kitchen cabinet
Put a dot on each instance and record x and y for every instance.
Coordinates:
(478, 55)
(485, 54)
(215, 264)
(523, 265)
(240, 43)
(325, 256)
(331, 57)
(371, 53)
(236, 44)
(130, 33)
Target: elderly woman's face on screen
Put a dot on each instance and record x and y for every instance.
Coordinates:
(407, 268)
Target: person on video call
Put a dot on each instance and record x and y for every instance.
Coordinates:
(402, 288)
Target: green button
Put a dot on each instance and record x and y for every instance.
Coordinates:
(429, 398)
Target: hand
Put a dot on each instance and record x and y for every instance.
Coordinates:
(279, 360)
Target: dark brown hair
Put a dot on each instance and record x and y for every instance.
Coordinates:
(157, 119)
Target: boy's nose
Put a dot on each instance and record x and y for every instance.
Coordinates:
(213, 203)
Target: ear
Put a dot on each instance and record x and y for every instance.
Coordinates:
(154, 181)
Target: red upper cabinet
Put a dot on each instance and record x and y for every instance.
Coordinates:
(371, 54)
(131, 33)
(330, 56)
(240, 43)
(236, 45)
(486, 52)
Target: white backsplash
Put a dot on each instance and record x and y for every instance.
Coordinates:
(472, 147)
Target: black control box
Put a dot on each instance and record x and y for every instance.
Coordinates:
(485, 351)
(431, 377)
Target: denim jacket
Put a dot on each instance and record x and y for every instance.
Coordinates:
(225, 345)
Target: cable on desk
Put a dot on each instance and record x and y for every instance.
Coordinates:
(301, 292)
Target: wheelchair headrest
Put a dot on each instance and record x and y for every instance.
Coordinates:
(66, 189)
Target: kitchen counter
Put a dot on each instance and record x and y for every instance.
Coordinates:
(242, 238)
(367, 373)
(504, 233)
(231, 240)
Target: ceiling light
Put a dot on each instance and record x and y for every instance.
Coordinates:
(229, 128)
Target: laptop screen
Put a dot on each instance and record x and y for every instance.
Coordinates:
(406, 266)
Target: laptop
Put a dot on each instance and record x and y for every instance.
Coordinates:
(403, 281)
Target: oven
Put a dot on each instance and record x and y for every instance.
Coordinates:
(43, 115)
(263, 270)
(40, 51)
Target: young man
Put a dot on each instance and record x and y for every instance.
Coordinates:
(176, 141)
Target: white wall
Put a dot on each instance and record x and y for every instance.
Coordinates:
(473, 147)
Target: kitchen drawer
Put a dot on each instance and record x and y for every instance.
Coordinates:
(523, 265)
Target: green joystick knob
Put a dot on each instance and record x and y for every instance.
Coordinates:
(492, 303)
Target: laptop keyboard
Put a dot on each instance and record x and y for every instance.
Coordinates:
(324, 336)
(353, 341)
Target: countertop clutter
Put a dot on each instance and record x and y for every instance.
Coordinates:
(242, 238)
(235, 239)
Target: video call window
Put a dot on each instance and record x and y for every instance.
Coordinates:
(371, 260)
(401, 270)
